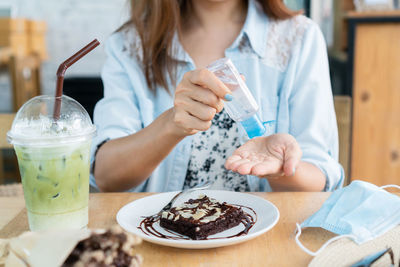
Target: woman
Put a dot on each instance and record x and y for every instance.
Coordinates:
(161, 123)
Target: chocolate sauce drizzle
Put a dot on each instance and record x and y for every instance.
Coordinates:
(147, 226)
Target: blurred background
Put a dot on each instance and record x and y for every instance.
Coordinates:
(363, 38)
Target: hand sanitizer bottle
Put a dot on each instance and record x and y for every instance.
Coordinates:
(243, 108)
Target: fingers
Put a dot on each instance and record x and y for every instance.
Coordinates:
(238, 164)
(292, 159)
(194, 108)
(189, 124)
(198, 110)
(280, 158)
(198, 95)
(246, 168)
(232, 159)
(207, 97)
(252, 166)
(207, 79)
(263, 169)
(260, 169)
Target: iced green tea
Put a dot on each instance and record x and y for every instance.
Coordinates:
(54, 161)
(56, 185)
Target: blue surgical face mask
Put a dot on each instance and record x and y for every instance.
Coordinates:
(361, 211)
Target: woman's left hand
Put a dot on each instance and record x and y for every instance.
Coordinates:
(272, 156)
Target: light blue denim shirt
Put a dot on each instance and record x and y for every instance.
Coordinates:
(286, 68)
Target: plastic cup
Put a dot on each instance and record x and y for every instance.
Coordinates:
(54, 162)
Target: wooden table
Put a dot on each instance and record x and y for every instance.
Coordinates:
(274, 248)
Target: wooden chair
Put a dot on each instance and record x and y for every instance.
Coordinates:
(343, 117)
(6, 120)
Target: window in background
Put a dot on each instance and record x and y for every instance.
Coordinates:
(374, 5)
(319, 11)
(7, 9)
(322, 13)
(72, 24)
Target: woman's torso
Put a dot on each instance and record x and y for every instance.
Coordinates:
(265, 52)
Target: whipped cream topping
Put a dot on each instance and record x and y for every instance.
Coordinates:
(202, 209)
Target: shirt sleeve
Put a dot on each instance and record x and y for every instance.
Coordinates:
(117, 114)
(313, 120)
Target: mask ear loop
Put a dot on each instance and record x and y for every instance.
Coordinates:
(312, 253)
(389, 186)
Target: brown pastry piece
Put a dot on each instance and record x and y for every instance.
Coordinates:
(112, 248)
(201, 217)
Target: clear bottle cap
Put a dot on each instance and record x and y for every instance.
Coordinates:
(34, 124)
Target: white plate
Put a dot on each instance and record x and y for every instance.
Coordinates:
(130, 216)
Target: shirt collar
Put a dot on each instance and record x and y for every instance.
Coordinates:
(255, 28)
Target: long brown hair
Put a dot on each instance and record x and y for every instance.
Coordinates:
(156, 22)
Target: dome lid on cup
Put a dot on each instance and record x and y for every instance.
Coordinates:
(34, 124)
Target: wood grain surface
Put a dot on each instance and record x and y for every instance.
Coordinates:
(5, 125)
(343, 117)
(6, 120)
(274, 248)
(376, 104)
(369, 14)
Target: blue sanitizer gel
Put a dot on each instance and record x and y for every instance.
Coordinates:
(253, 126)
(243, 108)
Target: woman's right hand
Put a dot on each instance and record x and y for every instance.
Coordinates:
(198, 97)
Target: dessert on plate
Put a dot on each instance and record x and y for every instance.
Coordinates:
(201, 217)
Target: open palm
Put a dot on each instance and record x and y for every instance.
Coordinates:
(270, 156)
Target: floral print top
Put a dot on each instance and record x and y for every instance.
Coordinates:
(210, 149)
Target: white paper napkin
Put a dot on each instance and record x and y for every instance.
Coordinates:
(47, 248)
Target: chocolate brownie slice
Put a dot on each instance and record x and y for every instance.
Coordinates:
(201, 217)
